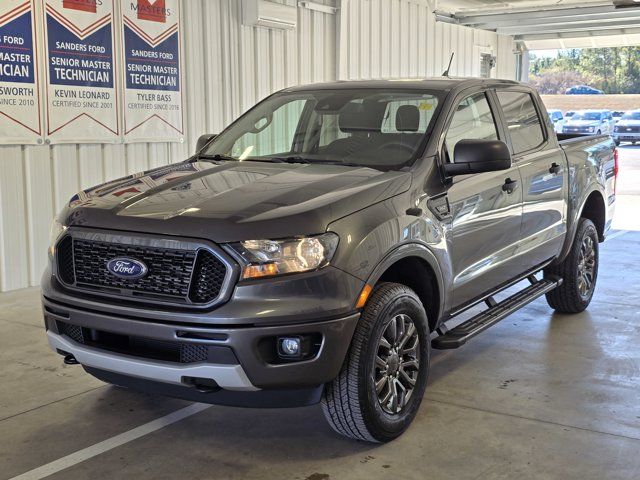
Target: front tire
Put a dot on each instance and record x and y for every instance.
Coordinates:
(579, 271)
(376, 395)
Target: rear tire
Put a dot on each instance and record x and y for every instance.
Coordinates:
(388, 358)
(579, 271)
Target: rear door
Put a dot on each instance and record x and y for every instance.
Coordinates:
(543, 168)
(485, 216)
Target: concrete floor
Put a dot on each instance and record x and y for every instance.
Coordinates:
(538, 396)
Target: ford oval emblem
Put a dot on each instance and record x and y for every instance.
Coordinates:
(127, 268)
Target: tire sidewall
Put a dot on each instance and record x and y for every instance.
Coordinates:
(382, 425)
(587, 228)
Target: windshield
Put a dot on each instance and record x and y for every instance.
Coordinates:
(631, 116)
(586, 116)
(383, 129)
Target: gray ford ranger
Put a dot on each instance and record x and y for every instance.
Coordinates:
(318, 248)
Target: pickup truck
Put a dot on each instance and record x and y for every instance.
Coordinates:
(628, 128)
(589, 122)
(322, 245)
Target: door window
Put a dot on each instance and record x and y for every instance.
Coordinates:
(473, 120)
(523, 122)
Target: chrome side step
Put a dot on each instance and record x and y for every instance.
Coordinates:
(458, 336)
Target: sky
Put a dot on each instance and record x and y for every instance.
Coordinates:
(545, 53)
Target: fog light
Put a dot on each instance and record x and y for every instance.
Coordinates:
(290, 347)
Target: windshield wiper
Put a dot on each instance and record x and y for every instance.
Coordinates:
(344, 164)
(297, 159)
(217, 156)
(292, 159)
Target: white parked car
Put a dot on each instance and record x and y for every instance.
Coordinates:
(557, 119)
(594, 122)
(628, 128)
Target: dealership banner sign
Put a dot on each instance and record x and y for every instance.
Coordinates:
(152, 70)
(20, 118)
(81, 91)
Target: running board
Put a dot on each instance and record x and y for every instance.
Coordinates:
(458, 336)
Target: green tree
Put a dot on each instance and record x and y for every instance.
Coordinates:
(613, 70)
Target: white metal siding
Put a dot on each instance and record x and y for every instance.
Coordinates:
(228, 67)
(400, 38)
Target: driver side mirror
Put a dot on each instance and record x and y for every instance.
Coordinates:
(479, 156)
(203, 140)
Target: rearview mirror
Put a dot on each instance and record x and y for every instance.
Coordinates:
(478, 156)
(203, 140)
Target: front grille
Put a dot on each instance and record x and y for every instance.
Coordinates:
(576, 130)
(190, 353)
(183, 276)
(631, 129)
(176, 352)
(74, 332)
(169, 270)
(208, 277)
(65, 261)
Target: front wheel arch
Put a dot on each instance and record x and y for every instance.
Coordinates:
(416, 267)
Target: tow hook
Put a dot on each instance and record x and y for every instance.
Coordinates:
(70, 360)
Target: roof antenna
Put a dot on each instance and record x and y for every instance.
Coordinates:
(446, 72)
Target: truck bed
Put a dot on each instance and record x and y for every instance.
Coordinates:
(568, 139)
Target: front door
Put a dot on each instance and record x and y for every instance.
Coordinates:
(485, 208)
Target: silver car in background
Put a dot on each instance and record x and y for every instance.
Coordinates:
(594, 122)
(628, 128)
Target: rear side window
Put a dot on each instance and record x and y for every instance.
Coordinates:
(522, 119)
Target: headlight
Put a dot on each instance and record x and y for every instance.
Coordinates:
(591, 129)
(266, 258)
(56, 231)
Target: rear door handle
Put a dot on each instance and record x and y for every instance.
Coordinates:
(555, 168)
(509, 185)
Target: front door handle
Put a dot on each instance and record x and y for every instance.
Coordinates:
(509, 185)
(555, 168)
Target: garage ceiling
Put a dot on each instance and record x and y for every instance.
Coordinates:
(548, 24)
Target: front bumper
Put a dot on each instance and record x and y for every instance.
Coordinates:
(579, 131)
(253, 366)
(626, 136)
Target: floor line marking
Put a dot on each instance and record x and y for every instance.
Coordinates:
(617, 234)
(111, 443)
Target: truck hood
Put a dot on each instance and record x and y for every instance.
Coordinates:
(233, 201)
(628, 123)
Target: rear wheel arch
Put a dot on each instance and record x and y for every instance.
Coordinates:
(594, 209)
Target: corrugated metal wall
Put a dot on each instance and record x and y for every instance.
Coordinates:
(228, 67)
(400, 38)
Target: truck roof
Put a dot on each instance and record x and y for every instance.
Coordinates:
(429, 83)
